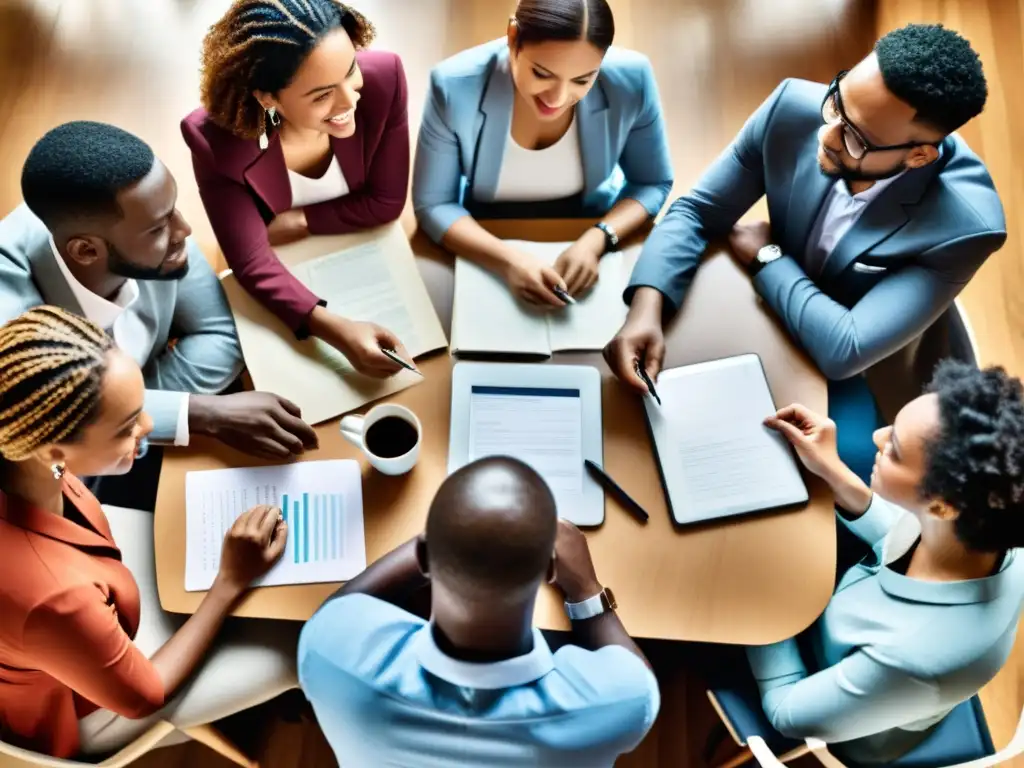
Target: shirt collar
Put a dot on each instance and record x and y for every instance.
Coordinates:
(96, 308)
(901, 538)
(869, 194)
(27, 517)
(509, 673)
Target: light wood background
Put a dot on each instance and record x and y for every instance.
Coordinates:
(135, 63)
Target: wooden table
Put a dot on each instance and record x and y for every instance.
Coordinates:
(753, 580)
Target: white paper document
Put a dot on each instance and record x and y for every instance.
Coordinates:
(717, 458)
(487, 318)
(370, 277)
(321, 501)
(541, 427)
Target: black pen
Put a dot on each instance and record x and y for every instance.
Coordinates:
(642, 373)
(390, 353)
(615, 490)
(560, 292)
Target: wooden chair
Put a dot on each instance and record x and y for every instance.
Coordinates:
(11, 756)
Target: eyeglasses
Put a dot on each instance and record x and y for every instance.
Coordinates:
(857, 146)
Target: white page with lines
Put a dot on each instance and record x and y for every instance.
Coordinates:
(717, 458)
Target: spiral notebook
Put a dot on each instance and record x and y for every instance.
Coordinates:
(716, 457)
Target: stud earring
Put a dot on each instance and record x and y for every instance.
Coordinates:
(58, 470)
(274, 120)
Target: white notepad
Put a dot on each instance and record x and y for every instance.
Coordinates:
(369, 276)
(487, 318)
(322, 502)
(716, 457)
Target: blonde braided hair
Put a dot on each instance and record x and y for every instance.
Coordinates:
(258, 45)
(51, 369)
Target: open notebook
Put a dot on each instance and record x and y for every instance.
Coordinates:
(369, 276)
(716, 457)
(487, 318)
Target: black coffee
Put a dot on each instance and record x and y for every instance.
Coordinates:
(391, 437)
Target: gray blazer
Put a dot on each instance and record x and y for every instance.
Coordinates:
(889, 278)
(206, 357)
(893, 654)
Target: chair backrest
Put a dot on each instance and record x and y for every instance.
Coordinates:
(126, 756)
(767, 759)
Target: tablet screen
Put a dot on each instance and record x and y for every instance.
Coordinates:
(542, 427)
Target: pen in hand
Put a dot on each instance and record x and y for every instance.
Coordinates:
(392, 355)
(642, 373)
(561, 293)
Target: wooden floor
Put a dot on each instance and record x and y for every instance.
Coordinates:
(135, 63)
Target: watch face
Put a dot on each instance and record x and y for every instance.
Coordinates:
(609, 600)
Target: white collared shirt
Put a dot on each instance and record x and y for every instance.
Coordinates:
(128, 331)
(385, 694)
(838, 213)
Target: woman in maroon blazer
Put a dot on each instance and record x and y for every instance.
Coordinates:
(303, 133)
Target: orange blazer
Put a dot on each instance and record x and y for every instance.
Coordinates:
(68, 612)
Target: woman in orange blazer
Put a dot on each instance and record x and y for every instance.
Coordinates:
(71, 402)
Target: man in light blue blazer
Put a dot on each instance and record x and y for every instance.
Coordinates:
(549, 121)
(99, 235)
(880, 214)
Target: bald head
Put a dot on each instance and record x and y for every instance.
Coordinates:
(491, 529)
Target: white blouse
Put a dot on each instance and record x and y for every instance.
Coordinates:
(307, 191)
(536, 175)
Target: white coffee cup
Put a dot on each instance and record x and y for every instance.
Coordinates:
(354, 428)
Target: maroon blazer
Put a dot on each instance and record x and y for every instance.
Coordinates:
(243, 188)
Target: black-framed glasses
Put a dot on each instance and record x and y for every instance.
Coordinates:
(857, 146)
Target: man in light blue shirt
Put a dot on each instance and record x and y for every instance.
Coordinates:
(477, 685)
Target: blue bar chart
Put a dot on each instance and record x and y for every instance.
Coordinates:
(316, 527)
(320, 502)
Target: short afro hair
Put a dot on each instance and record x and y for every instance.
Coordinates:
(976, 460)
(77, 169)
(935, 71)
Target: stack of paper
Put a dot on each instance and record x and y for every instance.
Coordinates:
(487, 318)
(322, 502)
(370, 277)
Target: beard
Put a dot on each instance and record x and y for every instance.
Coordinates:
(120, 266)
(855, 174)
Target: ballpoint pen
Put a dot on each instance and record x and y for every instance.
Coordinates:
(391, 354)
(616, 490)
(561, 293)
(642, 373)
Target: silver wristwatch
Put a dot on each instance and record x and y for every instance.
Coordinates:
(769, 253)
(592, 606)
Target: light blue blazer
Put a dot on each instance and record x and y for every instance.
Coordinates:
(894, 654)
(467, 119)
(206, 357)
(890, 276)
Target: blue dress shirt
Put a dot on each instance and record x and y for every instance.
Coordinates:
(386, 695)
(895, 653)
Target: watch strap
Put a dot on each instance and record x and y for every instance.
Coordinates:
(611, 237)
(600, 603)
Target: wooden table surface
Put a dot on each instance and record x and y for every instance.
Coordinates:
(752, 580)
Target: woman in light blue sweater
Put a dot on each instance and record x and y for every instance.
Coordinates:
(929, 619)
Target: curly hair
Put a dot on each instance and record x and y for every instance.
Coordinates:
(934, 70)
(975, 463)
(259, 45)
(51, 372)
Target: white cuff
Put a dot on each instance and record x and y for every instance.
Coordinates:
(181, 435)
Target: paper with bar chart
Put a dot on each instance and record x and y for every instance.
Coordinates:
(322, 502)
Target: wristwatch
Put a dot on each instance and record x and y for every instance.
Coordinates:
(611, 237)
(592, 606)
(766, 255)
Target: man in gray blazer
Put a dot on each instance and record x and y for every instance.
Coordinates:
(99, 235)
(880, 214)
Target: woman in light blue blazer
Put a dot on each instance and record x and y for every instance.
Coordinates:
(930, 617)
(547, 122)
